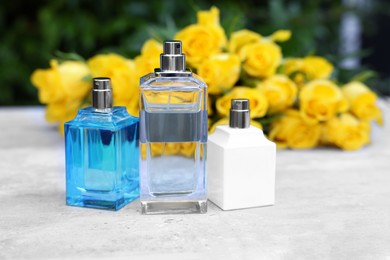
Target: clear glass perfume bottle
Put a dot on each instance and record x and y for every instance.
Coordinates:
(102, 153)
(173, 137)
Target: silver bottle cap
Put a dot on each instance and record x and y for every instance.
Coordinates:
(172, 59)
(239, 113)
(101, 93)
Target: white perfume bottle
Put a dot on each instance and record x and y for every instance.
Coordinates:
(240, 163)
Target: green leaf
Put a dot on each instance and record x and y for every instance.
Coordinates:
(269, 118)
(266, 121)
(87, 78)
(161, 33)
(278, 13)
(233, 25)
(62, 56)
(365, 75)
(296, 73)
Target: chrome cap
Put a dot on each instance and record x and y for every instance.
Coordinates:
(172, 59)
(239, 113)
(101, 93)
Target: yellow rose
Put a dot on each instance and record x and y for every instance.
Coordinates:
(225, 121)
(220, 72)
(62, 87)
(209, 107)
(320, 100)
(61, 81)
(132, 107)
(295, 69)
(209, 18)
(157, 149)
(317, 67)
(280, 92)
(149, 58)
(258, 102)
(62, 111)
(187, 149)
(308, 68)
(172, 97)
(281, 36)
(292, 65)
(292, 131)
(241, 38)
(362, 101)
(145, 63)
(261, 59)
(203, 39)
(122, 73)
(347, 132)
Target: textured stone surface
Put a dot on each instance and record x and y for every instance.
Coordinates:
(329, 204)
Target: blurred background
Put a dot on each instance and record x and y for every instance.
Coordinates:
(352, 34)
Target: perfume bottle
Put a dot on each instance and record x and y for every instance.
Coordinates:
(173, 137)
(241, 163)
(102, 153)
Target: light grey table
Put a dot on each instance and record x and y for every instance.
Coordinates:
(329, 205)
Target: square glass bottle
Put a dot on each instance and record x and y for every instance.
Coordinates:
(173, 137)
(102, 153)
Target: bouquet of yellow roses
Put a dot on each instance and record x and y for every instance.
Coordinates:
(292, 99)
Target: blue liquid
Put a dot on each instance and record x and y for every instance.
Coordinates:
(102, 163)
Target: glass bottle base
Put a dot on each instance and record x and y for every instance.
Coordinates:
(173, 207)
(90, 202)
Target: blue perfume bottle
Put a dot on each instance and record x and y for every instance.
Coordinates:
(102, 153)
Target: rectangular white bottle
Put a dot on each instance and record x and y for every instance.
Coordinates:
(240, 163)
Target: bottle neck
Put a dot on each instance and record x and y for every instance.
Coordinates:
(102, 110)
(239, 113)
(102, 100)
(172, 63)
(172, 59)
(239, 119)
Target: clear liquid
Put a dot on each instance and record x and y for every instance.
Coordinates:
(172, 159)
(167, 180)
